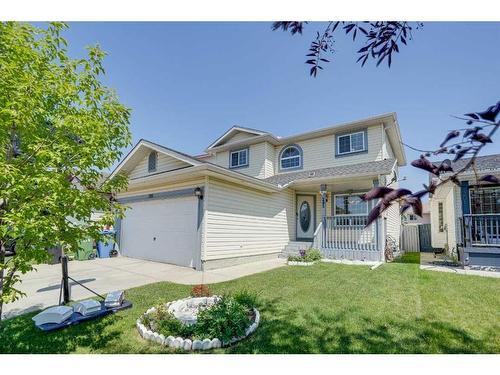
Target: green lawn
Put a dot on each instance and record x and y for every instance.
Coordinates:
(326, 308)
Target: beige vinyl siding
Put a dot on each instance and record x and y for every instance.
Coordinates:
(269, 160)
(393, 223)
(392, 214)
(242, 222)
(260, 160)
(320, 152)
(164, 163)
(387, 152)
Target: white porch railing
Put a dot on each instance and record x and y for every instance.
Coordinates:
(346, 237)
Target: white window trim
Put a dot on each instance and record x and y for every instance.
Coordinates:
(239, 165)
(350, 143)
(343, 195)
(299, 156)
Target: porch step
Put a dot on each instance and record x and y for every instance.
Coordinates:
(293, 248)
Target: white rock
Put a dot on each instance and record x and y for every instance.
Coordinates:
(257, 316)
(169, 340)
(216, 343)
(178, 342)
(206, 344)
(197, 345)
(187, 344)
(161, 340)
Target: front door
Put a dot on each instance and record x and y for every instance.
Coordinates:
(306, 215)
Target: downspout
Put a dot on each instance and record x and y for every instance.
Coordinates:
(323, 191)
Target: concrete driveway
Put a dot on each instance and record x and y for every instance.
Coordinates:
(106, 275)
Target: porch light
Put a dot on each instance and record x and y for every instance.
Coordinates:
(198, 193)
(323, 189)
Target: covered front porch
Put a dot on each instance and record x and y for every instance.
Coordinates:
(337, 224)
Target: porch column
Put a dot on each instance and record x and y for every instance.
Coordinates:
(323, 192)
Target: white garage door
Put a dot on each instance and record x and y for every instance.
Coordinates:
(163, 230)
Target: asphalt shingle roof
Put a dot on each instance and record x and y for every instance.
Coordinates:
(373, 167)
(486, 162)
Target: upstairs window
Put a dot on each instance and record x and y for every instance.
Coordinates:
(351, 143)
(238, 158)
(152, 160)
(291, 158)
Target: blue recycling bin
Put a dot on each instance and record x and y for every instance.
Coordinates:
(105, 246)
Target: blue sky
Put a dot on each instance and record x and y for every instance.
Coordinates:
(189, 82)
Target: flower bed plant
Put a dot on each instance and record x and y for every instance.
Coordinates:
(305, 257)
(219, 321)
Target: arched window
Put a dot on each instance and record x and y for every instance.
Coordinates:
(152, 159)
(291, 157)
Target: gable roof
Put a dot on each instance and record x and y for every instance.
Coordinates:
(200, 167)
(142, 148)
(389, 120)
(229, 133)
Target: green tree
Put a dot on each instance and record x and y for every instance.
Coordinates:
(58, 124)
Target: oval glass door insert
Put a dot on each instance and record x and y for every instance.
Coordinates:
(305, 216)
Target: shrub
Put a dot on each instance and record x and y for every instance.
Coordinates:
(311, 255)
(169, 325)
(201, 290)
(246, 298)
(224, 320)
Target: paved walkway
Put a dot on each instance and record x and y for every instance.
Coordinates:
(439, 263)
(106, 275)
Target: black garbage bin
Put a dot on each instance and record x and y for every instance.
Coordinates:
(55, 254)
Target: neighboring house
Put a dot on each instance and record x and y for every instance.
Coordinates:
(251, 194)
(409, 217)
(465, 219)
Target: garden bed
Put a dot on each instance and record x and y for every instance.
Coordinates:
(305, 258)
(193, 321)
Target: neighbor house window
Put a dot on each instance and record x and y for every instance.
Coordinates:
(350, 210)
(351, 143)
(238, 158)
(152, 160)
(291, 157)
(440, 217)
(485, 200)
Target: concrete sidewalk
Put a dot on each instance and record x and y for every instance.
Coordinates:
(106, 275)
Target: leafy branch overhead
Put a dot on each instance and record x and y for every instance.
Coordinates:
(380, 39)
(469, 142)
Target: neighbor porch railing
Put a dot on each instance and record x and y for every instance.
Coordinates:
(481, 230)
(347, 237)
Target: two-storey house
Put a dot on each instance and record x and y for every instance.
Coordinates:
(252, 194)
